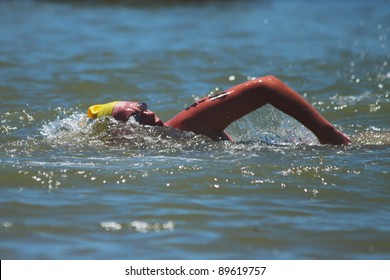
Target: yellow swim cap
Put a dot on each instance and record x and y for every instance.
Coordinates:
(100, 110)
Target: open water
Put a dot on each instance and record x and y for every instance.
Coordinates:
(72, 189)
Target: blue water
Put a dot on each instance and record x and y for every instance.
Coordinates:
(72, 189)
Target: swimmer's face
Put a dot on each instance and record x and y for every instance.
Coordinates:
(139, 111)
(123, 110)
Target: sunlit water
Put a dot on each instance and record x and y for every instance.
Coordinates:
(76, 189)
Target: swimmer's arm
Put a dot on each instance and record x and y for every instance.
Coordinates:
(290, 102)
(212, 116)
(249, 96)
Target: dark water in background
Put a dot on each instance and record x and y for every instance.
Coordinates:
(72, 189)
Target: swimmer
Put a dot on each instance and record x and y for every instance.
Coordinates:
(211, 115)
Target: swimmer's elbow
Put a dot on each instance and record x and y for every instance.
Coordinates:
(272, 80)
(266, 84)
(268, 80)
(270, 77)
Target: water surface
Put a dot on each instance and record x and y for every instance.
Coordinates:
(72, 189)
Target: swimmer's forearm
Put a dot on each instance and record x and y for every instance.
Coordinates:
(290, 102)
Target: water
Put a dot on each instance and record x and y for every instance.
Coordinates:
(71, 189)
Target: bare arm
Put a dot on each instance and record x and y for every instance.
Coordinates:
(210, 116)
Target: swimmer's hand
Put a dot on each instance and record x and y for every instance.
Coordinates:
(330, 135)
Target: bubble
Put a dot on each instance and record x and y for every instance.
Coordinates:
(7, 224)
(111, 226)
(144, 227)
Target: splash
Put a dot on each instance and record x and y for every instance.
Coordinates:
(78, 130)
(271, 127)
(72, 130)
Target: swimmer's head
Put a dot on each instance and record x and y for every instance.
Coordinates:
(123, 110)
(120, 110)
